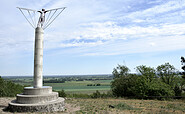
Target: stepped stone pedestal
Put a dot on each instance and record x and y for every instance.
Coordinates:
(37, 100)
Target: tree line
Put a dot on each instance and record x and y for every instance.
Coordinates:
(9, 89)
(161, 81)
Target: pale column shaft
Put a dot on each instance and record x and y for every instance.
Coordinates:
(38, 58)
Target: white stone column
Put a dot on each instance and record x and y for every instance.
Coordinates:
(38, 58)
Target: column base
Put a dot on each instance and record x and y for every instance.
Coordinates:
(37, 100)
(52, 106)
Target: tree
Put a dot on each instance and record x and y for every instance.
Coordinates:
(147, 72)
(120, 70)
(143, 85)
(123, 81)
(124, 85)
(167, 73)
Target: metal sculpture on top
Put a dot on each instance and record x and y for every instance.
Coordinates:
(41, 18)
(45, 19)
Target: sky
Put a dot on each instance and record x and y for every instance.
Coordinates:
(93, 36)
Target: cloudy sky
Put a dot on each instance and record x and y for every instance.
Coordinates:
(93, 36)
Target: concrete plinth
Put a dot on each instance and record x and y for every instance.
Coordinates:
(52, 106)
(37, 91)
(37, 100)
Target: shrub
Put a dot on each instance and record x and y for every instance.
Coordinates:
(96, 94)
(62, 93)
(98, 84)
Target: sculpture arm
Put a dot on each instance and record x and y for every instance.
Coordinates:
(39, 11)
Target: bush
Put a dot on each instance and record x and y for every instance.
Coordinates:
(98, 84)
(96, 94)
(62, 93)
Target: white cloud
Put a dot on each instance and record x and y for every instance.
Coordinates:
(88, 21)
(84, 44)
(159, 9)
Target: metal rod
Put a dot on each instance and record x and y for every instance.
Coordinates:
(26, 18)
(50, 17)
(35, 20)
(56, 9)
(55, 18)
(31, 17)
(26, 9)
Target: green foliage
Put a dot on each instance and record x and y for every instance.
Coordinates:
(147, 72)
(148, 85)
(123, 85)
(123, 81)
(97, 94)
(120, 70)
(167, 73)
(9, 89)
(94, 84)
(179, 84)
(143, 85)
(62, 93)
(158, 88)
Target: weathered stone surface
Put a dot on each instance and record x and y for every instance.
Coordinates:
(33, 99)
(52, 106)
(37, 91)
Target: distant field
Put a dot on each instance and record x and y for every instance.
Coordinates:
(81, 86)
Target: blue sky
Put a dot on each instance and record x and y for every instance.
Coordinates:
(93, 36)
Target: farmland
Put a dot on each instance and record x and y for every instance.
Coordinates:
(70, 84)
(81, 86)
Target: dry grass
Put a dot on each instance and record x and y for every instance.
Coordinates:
(102, 106)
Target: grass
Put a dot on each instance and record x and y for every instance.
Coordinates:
(101, 106)
(124, 106)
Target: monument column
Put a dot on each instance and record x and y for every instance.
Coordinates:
(38, 98)
(38, 58)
